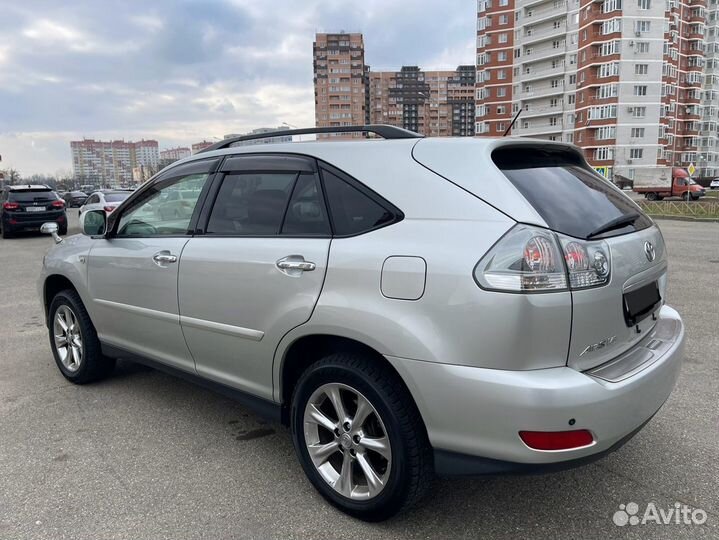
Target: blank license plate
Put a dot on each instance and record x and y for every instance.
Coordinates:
(639, 304)
(35, 209)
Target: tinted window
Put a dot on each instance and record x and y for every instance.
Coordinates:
(116, 197)
(306, 213)
(251, 204)
(352, 211)
(93, 199)
(158, 212)
(32, 196)
(571, 199)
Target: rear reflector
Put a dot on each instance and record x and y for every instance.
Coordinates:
(556, 440)
(108, 209)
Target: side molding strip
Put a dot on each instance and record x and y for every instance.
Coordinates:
(229, 329)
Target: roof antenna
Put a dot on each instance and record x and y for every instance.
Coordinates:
(512, 124)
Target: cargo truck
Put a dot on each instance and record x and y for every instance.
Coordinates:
(668, 182)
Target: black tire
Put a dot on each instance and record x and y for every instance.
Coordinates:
(94, 365)
(687, 196)
(652, 196)
(412, 462)
(63, 230)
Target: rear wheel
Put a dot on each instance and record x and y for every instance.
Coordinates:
(686, 196)
(652, 196)
(74, 342)
(359, 437)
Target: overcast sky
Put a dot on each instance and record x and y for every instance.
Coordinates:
(180, 71)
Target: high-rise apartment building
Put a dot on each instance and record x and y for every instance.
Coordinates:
(434, 103)
(173, 154)
(196, 147)
(622, 79)
(340, 78)
(261, 131)
(108, 163)
(708, 152)
(347, 92)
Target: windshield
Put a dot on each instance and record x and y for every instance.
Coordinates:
(571, 199)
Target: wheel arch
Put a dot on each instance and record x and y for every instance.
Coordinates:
(307, 349)
(53, 284)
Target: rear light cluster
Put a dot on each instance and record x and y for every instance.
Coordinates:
(530, 259)
(58, 204)
(108, 209)
(11, 206)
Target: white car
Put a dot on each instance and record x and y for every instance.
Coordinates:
(104, 200)
(714, 184)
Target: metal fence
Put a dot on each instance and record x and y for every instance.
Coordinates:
(699, 209)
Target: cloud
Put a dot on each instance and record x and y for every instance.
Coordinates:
(182, 70)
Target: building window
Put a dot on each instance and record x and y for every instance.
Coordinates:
(605, 132)
(603, 154)
(502, 74)
(501, 91)
(641, 69)
(502, 56)
(637, 133)
(642, 46)
(503, 38)
(642, 26)
(639, 112)
(500, 126)
(636, 153)
(503, 19)
(500, 109)
(640, 90)
(644, 4)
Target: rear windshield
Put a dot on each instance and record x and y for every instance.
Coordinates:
(32, 196)
(571, 199)
(116, 197)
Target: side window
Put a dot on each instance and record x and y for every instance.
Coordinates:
(306, 214)
(164, 209)
(93, 199)
(352, 211)
(251, 204)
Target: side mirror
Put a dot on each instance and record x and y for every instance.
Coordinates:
(51, 228)
(93, 223)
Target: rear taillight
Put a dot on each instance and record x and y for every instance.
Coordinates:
(108, 209)
(58, 204)
(530, 259)
(11, 206)
(557, 440)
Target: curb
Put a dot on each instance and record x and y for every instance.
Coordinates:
(685, 218)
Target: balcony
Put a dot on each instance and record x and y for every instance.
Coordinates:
(542, 73)
(542, 53)
(543, 14)
(542, 91)
(544, 128)
(543, 34)
(536, 112)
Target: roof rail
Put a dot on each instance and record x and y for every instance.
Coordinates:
(383, 130)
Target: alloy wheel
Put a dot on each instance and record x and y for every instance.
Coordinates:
(68, 338)
(347, 441)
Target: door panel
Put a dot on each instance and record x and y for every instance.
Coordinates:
(136, 297)
(236, 303)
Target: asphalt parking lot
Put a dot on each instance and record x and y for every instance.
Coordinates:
(145, 455)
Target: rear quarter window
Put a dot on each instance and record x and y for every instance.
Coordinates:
(571, 199)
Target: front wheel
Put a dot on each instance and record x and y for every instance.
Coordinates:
(359, 437)
(74, 342)
(687, 196)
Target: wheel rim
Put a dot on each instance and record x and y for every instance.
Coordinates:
(347, 441)
(68, 338)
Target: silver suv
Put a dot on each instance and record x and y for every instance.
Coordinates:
(406, 306)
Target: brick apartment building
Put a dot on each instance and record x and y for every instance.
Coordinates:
(201, 146)
(348, 92)
(173, 154)
(626, 80)
(111, 163)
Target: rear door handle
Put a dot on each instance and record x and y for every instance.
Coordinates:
(295, 264)
(161, 258)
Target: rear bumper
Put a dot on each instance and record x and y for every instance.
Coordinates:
(18, 222)
(477, 413)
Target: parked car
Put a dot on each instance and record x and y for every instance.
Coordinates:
(407, 307)
(714, 184)
(28, 207)
(74, 199)
(106, 200)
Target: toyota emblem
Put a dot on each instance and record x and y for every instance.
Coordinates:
(649, 251)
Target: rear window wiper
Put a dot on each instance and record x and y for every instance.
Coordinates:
(616, 223)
